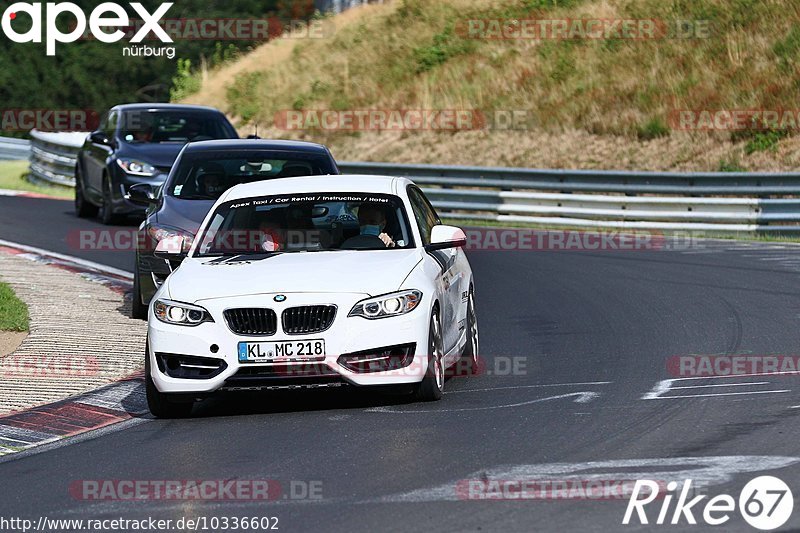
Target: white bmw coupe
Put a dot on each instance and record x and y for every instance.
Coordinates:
(312, 282)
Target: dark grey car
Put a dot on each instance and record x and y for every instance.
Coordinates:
(138, 143)
(201, 174)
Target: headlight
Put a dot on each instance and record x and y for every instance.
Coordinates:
(180, 314)
(394, 304)
(137, 168)
(159, 233)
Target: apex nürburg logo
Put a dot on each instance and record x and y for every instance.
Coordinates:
(101, 20)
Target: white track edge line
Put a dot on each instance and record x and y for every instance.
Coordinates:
(72, 259)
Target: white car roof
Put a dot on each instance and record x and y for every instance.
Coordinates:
(310, 184)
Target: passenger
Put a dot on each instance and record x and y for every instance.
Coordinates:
(272, 236)
(372, 221)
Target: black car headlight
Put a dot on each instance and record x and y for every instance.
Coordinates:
(393, 304)
(180, 314)
(134, 167)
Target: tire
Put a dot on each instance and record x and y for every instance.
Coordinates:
(107, 216)
(432, 385)
(163, 405)
(469, 359)
(83, 209)
(138, 309)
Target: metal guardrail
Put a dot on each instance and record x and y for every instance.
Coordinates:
(725, 202)
(698, 201)
(53, 156)
(337, 6)
(11, 148)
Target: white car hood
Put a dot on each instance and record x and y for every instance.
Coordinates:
(360, 272)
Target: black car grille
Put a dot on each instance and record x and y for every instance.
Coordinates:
(307, 319)
(252, 321)
(309, 375)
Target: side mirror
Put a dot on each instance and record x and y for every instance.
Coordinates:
(444, 237)
(171, 248)
(99, 137)
(141, 193)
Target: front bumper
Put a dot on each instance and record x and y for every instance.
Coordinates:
(347, 335)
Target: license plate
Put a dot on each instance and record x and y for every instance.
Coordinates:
(265, 352)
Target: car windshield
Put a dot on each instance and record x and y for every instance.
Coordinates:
(207, 175)
(310, 222)
(156, 126)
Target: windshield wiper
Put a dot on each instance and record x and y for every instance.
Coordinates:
(238, 254)
(195, 197)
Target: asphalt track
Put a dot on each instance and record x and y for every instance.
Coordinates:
(591, 334)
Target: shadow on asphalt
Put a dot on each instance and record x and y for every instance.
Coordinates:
(294, 401)
(275, 402)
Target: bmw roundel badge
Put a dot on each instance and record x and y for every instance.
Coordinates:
(280, 298)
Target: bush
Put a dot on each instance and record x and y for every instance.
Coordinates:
(730, 165)
(184, 82)
(654, 129)
(763, 141)
(445, 45)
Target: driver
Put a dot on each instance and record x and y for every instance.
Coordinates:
(142, 136)
(372, 221)
(210, 180)
(191, 129)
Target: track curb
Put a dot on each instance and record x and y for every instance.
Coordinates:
(55, 403)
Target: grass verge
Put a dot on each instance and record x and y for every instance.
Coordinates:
(13, 312)
(12, 177)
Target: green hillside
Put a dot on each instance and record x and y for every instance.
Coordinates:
(617, 96)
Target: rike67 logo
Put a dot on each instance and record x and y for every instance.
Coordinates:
(101, 23)
(765, 503)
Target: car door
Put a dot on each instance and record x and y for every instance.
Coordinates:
(452, 277)
(94, 164)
